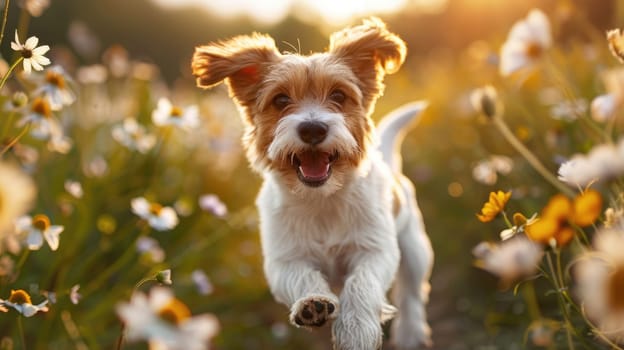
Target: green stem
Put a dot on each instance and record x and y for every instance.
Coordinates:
(15, 139)
(507, 222)
(529, 296)
(5, 15)
(6, 76)
(561, 301)
(529, 156)
(22, 260)
(112, 269)
(120, 340)
(9, 120)
(20, 329)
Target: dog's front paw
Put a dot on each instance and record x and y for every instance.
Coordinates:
(357, 333)
(313, 311)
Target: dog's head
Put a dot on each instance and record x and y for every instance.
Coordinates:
(308, 117)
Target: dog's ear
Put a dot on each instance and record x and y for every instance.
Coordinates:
(371, 51)
(240, 61)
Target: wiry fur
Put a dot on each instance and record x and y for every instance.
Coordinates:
(333, 248)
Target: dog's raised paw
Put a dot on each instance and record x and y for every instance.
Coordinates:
(313, 311)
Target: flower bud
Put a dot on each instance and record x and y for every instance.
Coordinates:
(485, 101)
(164, 277)
(616, 43)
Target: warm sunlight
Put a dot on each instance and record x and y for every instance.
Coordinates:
(242, 174)
(330, 10)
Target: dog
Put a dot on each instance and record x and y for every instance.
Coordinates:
(338, 220)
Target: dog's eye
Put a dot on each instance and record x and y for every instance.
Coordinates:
(281, 101)
(337, 96)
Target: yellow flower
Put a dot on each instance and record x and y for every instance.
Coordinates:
(494, 205)
(554, 225)
(587, 207)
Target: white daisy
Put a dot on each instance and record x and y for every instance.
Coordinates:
(17, 193)
(159, 217)
(166, 322)
(511, 259)
(151, 249)
(603, 162)
(211, 203)
(20, 301)
(132, 135)
(599, 276)
(526, 43)
(74, 188)
(33, 56)
(168, 114)
(486, 171)
(38, 228)
(55, 87)
(43, 124)
(603, 107)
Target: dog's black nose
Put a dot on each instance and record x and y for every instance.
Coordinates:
(312, 133)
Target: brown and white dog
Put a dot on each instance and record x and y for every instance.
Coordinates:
(338, 219)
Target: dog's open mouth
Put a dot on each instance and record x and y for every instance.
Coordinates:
(313, 167)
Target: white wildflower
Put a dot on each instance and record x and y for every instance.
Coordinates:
(167, 114)
(159, 217)
(526, 43)
(33, 56)
(166, 322)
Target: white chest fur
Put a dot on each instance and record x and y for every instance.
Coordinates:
(327, 230)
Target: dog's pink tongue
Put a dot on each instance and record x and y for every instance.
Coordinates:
(314, 165)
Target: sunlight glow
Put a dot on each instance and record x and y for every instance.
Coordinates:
(331, 11)
(263, 11)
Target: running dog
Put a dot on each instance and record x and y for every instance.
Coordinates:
(339, 222)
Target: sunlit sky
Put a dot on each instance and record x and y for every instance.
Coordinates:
(332, 11)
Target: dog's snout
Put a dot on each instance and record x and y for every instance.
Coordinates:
(312, 132)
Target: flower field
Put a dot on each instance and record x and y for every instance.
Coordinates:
(127, 216)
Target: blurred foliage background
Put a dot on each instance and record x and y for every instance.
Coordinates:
(452, 50)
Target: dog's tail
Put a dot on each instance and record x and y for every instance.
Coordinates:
(392, 129)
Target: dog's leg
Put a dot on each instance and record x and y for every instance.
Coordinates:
(304, 289)
(363, 302)
(411, 290)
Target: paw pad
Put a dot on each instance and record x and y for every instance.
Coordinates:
(313, 312)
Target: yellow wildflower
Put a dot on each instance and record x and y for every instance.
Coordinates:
(495, 204)
(587, 207)
(554, 224)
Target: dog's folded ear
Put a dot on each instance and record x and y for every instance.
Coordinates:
(371, 51)
(369, 44)
(239, 61)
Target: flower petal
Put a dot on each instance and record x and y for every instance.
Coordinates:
(140, 206)
(34, 240)
(17, 41)
(52, 236)
(26, 64)
(31, 43)
(41, 50)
